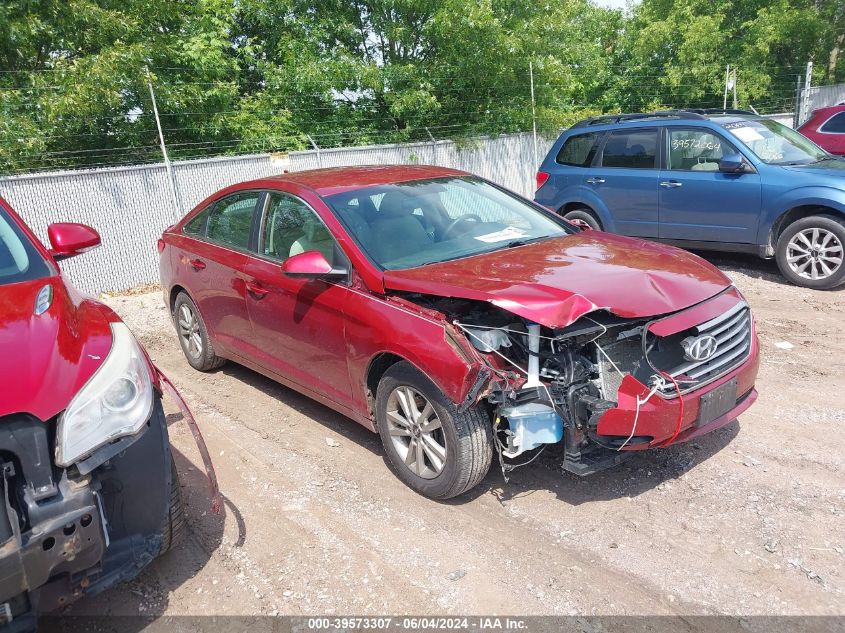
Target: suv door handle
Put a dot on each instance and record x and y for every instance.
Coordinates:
(595, 181)
(671, 184)
(256, 289)
(197, 264)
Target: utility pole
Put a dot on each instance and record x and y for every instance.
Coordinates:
(316, 149)
(805, 101)
(534, 116)
(174, 196)
(736, 103)
(727, 81)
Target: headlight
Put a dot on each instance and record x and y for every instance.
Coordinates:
(115, 402)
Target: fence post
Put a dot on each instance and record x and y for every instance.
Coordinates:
(727, 81)
(177, 210)
(433, 146)
(805, 100)
(534, 116)
(796, 109)
(316, 149)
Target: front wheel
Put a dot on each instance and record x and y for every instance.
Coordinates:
(810, 252)
(431, 445)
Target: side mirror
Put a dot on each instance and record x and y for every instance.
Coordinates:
(69, 239)
(732, 164)
(310, 265)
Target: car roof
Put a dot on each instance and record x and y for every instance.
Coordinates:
(332, 180)
(829, 109)
(670, 117)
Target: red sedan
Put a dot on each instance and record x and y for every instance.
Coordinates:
(458, 320)
(826, 128)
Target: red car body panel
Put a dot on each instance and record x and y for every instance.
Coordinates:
(833, 142)
(52, 355)
(555, 282)
(321, 337)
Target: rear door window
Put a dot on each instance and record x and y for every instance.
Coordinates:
(632, 149)
(230, 222)
(579, 150)
(835, 124)
(695, 149)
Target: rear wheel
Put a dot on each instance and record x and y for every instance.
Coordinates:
(583, 217)
(431, 445)
(193, 336)
(810, 252)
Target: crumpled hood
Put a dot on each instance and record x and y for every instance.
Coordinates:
(46, 359)
(556, 281)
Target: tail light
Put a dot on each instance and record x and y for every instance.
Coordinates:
(542, 177)
(160, 245)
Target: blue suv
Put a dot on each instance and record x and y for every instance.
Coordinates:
(727, 180)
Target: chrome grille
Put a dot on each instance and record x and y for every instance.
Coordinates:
(732, 331)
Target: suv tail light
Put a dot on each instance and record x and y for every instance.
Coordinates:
(160, 245)
(542, 177)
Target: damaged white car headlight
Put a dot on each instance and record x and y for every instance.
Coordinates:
(115, 402)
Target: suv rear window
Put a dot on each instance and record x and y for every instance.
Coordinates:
(579, 150)
(835, 124)
(634, 149)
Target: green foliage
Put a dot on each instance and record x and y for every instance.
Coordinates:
(259, 75)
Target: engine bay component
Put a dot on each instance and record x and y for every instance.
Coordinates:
(531, 425)
(488, 340)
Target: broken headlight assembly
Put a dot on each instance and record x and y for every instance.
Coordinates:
(115, 402)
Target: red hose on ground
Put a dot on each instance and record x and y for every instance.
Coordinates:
(680, 411)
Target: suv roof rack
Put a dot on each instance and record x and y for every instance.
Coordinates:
(688, 113)
(721, 111)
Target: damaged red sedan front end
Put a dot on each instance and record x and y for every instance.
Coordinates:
(459, 320)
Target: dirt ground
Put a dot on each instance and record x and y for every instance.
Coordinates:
(747, 520)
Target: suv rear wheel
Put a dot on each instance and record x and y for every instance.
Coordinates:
(431, 445)
(810, 252)
(583, 217)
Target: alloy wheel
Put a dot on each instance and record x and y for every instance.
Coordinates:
(189, 330)
(814, 253)
(416, 432)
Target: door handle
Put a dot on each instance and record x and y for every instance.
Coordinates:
(197, 264)
(595, 181)
(256, 289)
(671, 184)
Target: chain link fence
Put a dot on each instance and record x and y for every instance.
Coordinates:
(131, 206)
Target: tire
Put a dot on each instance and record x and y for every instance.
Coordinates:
(173, 529)
(466, 436)
(822, 239)
(193, 336)
(583, 216)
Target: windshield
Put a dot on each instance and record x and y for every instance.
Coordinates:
(774, 143)
(422, 222)
(19, 261)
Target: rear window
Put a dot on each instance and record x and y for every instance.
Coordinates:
(579, 150)
(835, 124)
(634, 149)
(19, 260)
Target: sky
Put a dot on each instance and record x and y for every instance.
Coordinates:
(613, 4)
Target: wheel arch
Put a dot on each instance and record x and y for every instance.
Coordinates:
(588, 199)
(795, 213)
